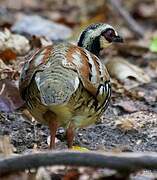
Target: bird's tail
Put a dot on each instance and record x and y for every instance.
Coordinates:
(57, 86)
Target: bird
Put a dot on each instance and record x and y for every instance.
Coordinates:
(67, 85)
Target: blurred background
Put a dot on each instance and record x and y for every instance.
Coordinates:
(80, 13)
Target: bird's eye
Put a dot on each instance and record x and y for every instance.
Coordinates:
(109, 34)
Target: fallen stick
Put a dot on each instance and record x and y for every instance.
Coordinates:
(133, 25)
(122, 162)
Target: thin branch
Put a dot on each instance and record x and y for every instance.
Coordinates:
(122, 162)
(133, 25)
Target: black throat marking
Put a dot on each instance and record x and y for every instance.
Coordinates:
(93, 46)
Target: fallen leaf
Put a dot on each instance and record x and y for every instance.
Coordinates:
(12, 44)
(8, 55)
(6, 148)
(78, 148)
(120, 69)
(72, 174)
(126, 124)
(10, 99)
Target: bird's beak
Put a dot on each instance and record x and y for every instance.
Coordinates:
(117, 39)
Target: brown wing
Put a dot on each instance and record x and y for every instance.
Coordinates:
(32, 65)
(91, 71)
(89, 68)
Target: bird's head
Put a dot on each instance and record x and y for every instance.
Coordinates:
(98, 36)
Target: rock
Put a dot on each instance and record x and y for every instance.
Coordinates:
(36, 25)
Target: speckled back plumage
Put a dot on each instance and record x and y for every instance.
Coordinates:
(67, 80)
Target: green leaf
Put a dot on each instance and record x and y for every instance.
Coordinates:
(78, 148)
(153, 45)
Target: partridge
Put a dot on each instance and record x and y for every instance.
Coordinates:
(67, 85)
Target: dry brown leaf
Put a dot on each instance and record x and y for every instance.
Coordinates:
(120, 69)
(127, 124)
(72, 174)
(6, 148)
(8, 55)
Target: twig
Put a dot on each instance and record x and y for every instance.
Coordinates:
(2, 89)
(133, 25)
(122, 162)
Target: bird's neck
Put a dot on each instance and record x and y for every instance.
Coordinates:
(92, 44)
